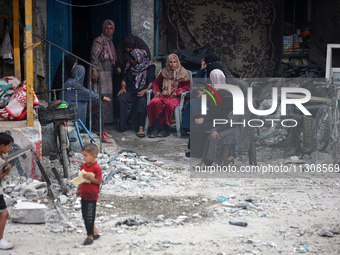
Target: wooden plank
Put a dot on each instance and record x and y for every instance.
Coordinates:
(16, 42)
(29, 61)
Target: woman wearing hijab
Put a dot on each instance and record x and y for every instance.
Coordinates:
(138, 77)
(209, 63)
(123, 50)
(167, 88)
(57, 81)
(103, 55)
(202, 123)
(76, 75)
(221, 139)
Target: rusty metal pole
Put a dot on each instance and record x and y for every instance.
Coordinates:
(29, 61)
(16, 40)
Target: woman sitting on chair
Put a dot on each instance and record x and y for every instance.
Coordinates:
(219, 147)
(167, 88)
(75, 79)
(131, 100)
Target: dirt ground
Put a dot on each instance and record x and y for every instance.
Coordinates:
(184, 215)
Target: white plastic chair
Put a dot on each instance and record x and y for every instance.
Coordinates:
(178, 109)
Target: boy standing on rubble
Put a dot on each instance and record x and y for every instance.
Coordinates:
(6, 142)
(89, 190)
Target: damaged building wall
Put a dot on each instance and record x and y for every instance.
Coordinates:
(142, 21)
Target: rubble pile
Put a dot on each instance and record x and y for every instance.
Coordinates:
(148, 205)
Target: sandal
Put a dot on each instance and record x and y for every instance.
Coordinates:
(140, 134)
(95, 237)
(88, 241)
(200, 166)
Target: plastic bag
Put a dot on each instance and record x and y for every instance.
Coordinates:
(6, 49)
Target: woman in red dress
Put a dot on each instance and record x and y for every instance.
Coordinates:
(167, 88)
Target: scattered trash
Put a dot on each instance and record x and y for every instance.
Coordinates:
(162, 142)
(106, 180)
(263, 215)
(303, 250)
(128, 153)
(113, 159)
(312, 160)
(148, 181)
(222, 198)
(238, 223)
(132, 221)
(301, 191)
(232, 185)
(132, 177)
(156, 165)
(76, 160)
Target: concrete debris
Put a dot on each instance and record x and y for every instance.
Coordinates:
(326, 231)
(28, 212)
(34, 190)
(133, 221)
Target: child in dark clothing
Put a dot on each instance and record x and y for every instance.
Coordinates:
(89, 191)
(6, 142)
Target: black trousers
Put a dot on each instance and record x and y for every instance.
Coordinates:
(88, 209)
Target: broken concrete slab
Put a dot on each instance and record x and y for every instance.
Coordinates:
(35, 190)
(28, 212)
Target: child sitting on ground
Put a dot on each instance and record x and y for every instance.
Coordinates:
(6, 142)
(89, 191)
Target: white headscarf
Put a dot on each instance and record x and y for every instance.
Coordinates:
(217, 77)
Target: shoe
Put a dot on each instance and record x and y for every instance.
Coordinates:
(106, 139)
(96, 237)
(153, 134)
(4, 245)
(163, 133)
(106, 134)
(140, 134)
(88, 241)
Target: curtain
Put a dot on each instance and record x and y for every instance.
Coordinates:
(247, 35)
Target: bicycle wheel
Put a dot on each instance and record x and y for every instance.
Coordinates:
(323, 125)
(63, 143)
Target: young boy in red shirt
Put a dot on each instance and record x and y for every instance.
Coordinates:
(89, 191)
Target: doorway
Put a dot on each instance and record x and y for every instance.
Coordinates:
(87, 23)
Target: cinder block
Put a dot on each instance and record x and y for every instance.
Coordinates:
(28, 212)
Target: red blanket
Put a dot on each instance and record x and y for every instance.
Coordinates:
(16, 107)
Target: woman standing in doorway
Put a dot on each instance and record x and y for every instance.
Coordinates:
(103, 55)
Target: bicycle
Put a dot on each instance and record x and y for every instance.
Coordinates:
(60, 117)
(327, 122)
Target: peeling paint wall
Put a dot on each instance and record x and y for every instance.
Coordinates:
(142, 21)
